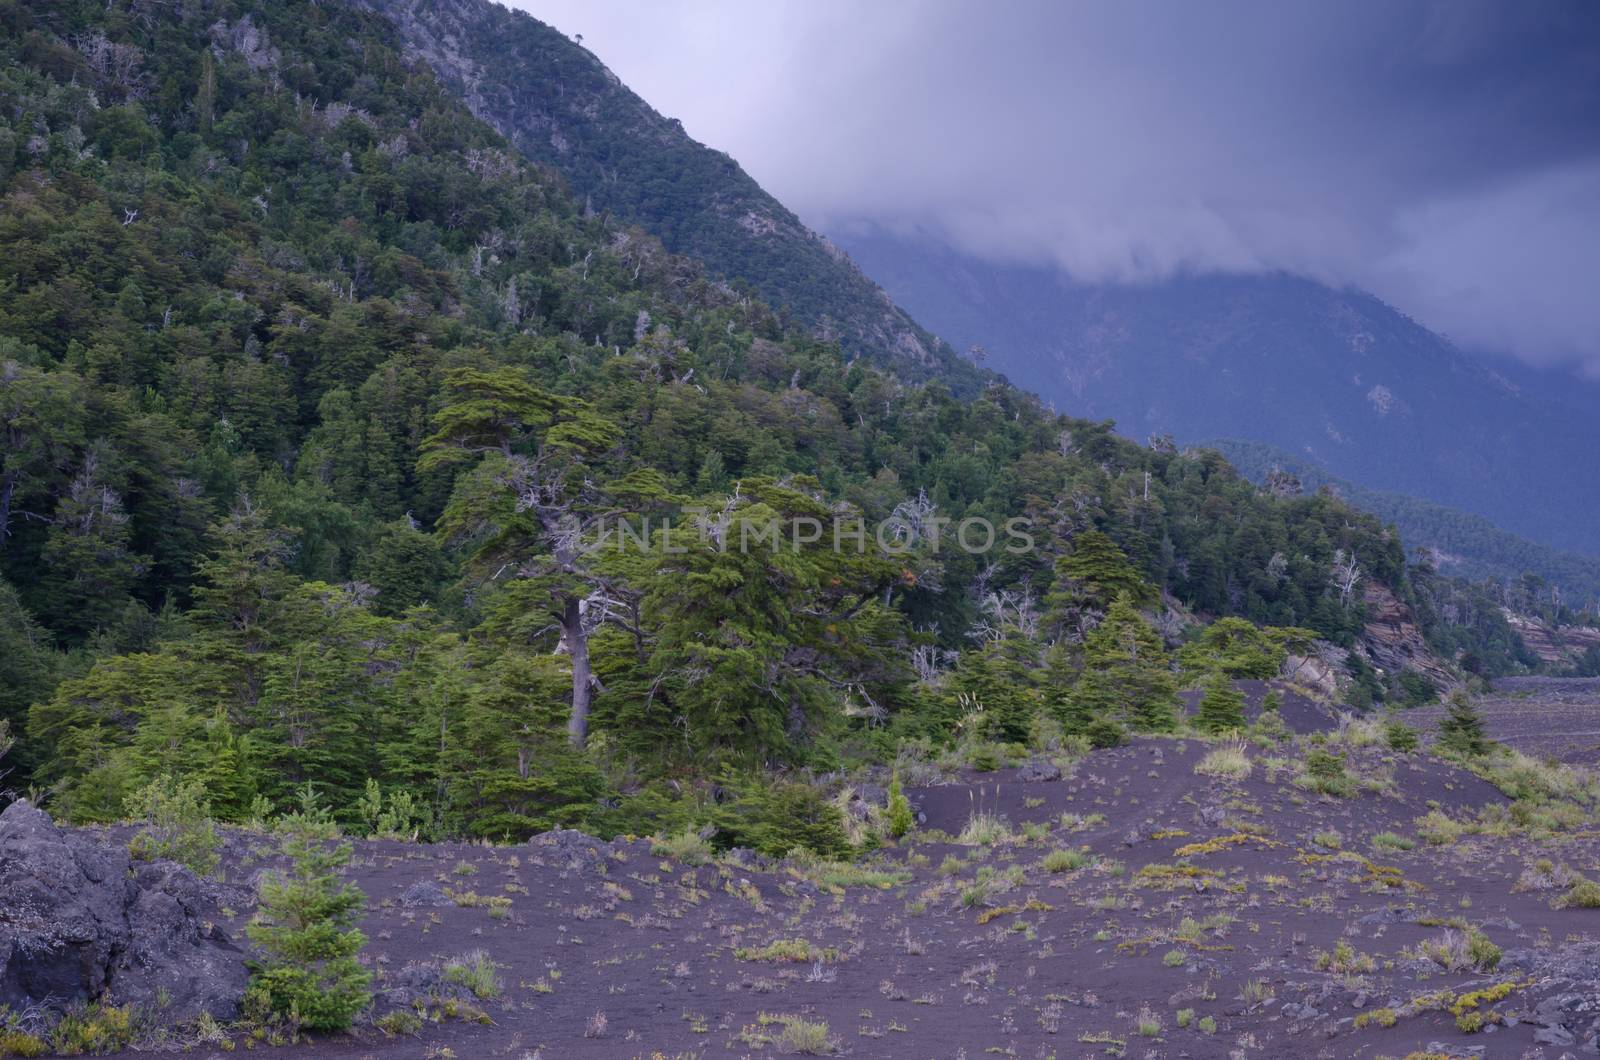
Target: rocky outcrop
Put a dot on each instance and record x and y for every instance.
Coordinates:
(1565, 996)
(1554, 645)
(80, 921)
(1393, 641)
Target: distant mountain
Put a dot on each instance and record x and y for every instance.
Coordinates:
(562, 107)
(1335, 377)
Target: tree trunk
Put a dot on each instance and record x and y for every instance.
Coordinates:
(10, 484)
(578, 651)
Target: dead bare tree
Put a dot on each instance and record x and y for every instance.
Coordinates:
(1345, 575)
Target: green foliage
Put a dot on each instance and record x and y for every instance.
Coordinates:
(687, 846)
(29, 665)
(1092, 576)
(1221, 707)
(177, 825)
(15, 1042)
(1461, 729)
(1103, 733)
(395, 816)
(1401, 737)
(1236, 648)
(291, 462)
(305, 930)
(775, 818)
(1325, 773)
(1127, 677)
(91, 1029)
(899, 817)
(1415, 689)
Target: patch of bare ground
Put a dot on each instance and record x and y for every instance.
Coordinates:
(1554, 717)
(1314, 895)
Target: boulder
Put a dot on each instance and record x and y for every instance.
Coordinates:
(1039, 769)
(570, 847)
(78, 922)
(426, 894)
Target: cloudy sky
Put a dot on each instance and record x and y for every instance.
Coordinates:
(1444, 154)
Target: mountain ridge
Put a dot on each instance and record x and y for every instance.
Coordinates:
(1336, 376)
(589, 126)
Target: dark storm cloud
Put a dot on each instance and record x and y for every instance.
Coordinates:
(1445, 155)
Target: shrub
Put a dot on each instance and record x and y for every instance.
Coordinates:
(1402, 737)
(178, 824)
(400, 1021)
(1456, 951)
(1229, 760)
(306, 931)
(774, 818)
(476, 973)
(804, 1037)
(396, 817)
(1065, 861)
(1325, 773)
(1103, 733)
(92, 1029)
(688, 846)
(21, 1043)
(1416, 689)
(901, 819)
(789, 951)
(1344, 960)
(1585, 894)
(984, 829)
(311, 820)
(1392, 841)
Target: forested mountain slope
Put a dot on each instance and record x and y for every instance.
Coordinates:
(322, 407)
(559, 105)
(1533, 576)
(1335, 377)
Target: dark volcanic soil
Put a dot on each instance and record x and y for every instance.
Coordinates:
(1223, 900)
(1547, 717)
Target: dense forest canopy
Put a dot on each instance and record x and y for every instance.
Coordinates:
(317, 399)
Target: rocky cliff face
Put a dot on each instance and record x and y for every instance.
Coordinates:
(1393, 640)
(1558, 647)
(559, 105)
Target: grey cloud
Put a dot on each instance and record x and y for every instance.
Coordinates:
(1444, 154)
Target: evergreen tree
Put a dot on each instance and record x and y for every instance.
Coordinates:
(997, 679)
(1091, 577)
(305, 930)
(1135, 674)
(1221, 707)
(1461, 729)
(532, 501)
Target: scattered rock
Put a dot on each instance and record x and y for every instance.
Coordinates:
(749, 859)
(1389, 914)
(1557, 1035)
